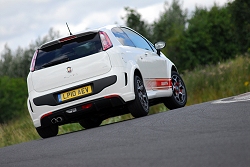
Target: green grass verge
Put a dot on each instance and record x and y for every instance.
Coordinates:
(214, 82)
(203, 84)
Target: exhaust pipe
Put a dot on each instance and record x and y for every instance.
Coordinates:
(59, 119)
(56, 120)
(53, 121)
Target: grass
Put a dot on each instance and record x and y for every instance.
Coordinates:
(214, 82)
(17, 131)
(203, 84)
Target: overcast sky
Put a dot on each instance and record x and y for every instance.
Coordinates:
(23, 21)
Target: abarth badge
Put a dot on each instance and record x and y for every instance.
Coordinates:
(69, 69)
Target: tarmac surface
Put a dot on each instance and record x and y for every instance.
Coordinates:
(214, 134)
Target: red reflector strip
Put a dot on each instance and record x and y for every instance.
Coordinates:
(67, 38)
(110, 96)
(45, 115)
(86, 106)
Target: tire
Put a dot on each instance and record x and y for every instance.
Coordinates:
(179, 96)
(140, 106)
(90, 123)
(46, 132)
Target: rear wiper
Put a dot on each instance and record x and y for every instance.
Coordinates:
(56, 61)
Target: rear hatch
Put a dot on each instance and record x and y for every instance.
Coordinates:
(69, 60)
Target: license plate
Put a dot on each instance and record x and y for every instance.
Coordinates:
(74, 93)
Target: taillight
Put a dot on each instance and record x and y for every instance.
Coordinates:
(106, 43)
(33, 61)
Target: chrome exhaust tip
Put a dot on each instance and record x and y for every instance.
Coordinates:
(56, 120)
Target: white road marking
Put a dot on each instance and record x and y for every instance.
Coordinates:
(239, 98)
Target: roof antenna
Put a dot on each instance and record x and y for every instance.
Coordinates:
(69, 29)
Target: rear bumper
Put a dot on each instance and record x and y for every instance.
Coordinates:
(99, 107)
(112, 83)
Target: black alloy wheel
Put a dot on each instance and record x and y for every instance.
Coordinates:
(179, 96)
(140, 106)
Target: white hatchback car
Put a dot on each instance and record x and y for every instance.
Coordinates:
(97, 74)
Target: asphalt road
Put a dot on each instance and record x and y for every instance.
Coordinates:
(209, 134)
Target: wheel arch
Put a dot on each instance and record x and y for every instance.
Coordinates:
(138, 73)
(134, 72)
(170, 67)
(132, 69)
(174, 68)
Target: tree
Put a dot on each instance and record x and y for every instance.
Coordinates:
(239, 10)
(14, 68)
(133, 20)
(209, 38)
(17, 63)
(5, 61)
(170, 28)
(13, 93)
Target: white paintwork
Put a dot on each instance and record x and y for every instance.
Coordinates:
(117, 60)
(82, 69)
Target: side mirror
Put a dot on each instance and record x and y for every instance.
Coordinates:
(159, 45)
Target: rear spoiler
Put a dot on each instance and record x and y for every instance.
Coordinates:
(66, 38)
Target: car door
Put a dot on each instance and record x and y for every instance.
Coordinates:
(152, 65)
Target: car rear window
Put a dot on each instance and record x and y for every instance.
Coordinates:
(68, 50)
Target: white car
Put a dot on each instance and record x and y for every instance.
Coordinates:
(97, 74)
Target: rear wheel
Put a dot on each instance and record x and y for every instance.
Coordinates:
(140, 106)
(90, 123)
(179, 96)
(46, 132)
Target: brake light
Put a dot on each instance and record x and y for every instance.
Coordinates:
(67, 38)
(33, 61)
(106, 43)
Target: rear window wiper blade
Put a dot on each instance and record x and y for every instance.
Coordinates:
(56, 61)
